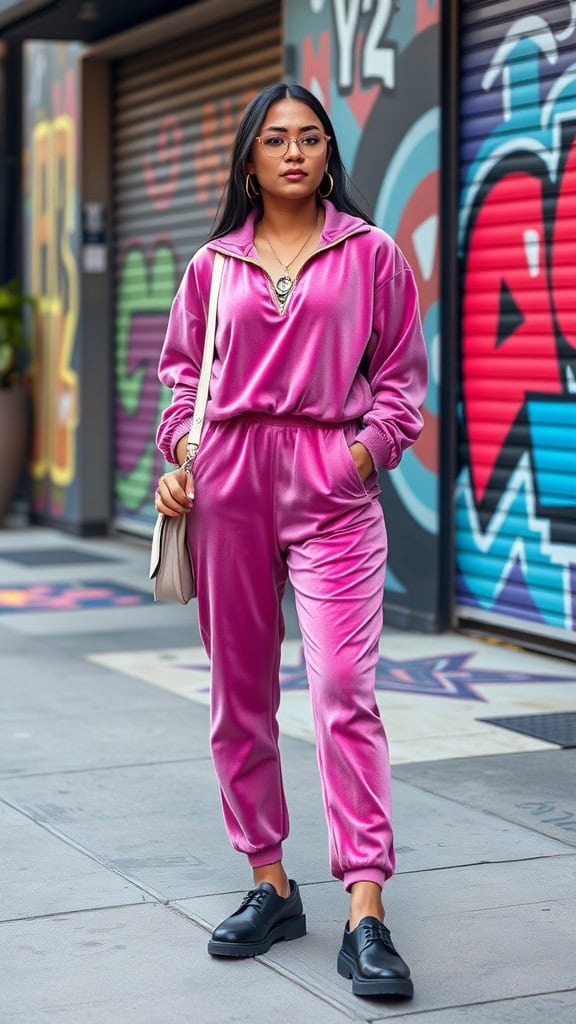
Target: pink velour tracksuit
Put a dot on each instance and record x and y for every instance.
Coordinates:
(277, 494)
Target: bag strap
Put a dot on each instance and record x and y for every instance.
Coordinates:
(193, 442)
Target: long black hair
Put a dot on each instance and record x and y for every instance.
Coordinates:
(235, 204)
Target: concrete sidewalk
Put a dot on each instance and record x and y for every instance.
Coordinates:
(114, 861)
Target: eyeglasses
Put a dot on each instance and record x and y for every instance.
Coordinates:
(310, 144)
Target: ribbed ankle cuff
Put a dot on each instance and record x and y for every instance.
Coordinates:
(364, 875)
(270, 855)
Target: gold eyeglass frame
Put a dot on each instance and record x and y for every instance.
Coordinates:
(288, 141)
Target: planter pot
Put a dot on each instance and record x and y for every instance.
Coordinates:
(13, 437)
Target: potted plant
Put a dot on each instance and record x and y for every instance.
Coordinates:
(14, 342)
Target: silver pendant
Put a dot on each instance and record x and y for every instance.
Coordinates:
(283, 286)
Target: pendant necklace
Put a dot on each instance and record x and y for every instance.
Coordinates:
(284, 284)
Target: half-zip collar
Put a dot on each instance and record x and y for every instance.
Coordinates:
(337, 227)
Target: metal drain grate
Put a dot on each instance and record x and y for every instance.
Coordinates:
(557, 727)
(52, 556)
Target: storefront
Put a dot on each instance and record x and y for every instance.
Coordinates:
(515, 494)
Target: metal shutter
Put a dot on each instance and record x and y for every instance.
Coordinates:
(516, 488)
(176, 110)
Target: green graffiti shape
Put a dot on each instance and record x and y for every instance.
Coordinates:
(141, 290)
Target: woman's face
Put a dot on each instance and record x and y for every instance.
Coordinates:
(289, 172)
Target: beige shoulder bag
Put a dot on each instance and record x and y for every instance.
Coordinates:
(170, 563)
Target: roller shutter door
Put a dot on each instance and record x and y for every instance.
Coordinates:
(176, 110)
(516, 487)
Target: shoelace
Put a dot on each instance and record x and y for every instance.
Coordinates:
(377, 933)
(255, 898)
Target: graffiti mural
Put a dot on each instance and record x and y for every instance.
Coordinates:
(51, 248)
(374, 65)
(144, 296)
(183, 171)
(516, 493)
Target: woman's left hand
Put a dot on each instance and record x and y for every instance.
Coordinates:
(362, 460)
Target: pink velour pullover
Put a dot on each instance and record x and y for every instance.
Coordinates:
(348, 346)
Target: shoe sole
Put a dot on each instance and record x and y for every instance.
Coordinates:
(373, 987)
(294, 928)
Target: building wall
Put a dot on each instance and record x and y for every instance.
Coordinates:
(376, 70)
(516, 490)
(375, 66)
(51, 268)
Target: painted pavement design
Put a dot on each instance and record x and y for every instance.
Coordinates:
(57, 597)
(465, 674)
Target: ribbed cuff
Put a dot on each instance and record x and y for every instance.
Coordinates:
(270, 855)
(380, 445)
(179, 431)
(364, 875)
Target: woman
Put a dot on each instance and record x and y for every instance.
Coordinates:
(319, 372)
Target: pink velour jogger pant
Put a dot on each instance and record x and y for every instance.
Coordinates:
(276, 496)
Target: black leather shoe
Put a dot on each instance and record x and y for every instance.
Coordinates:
(262, 918)
(369, 958)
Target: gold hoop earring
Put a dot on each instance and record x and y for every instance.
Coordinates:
(249, 184)
(324, 195)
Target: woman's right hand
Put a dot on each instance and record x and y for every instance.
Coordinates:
(175, 493)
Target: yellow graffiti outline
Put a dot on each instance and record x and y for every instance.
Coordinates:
(50, 308)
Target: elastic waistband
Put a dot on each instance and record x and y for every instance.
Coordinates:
(286, 420)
